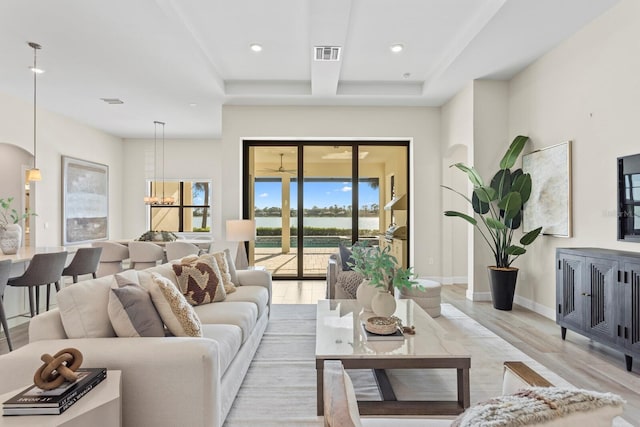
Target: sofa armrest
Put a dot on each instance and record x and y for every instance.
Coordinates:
(256, 278)
(154, 371)
(333, 268)
(47, 326)
(518, 375)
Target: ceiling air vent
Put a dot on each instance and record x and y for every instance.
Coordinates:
(112, 101)
(327, 53)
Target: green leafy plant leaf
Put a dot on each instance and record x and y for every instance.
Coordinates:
(473, 175)
(513, 152)
(494, 223)
(461, 215)
(501, 182)
(515, 250)
(528, 238)
(511, 204)
(479, 206)
(522, 184)
(485, 194)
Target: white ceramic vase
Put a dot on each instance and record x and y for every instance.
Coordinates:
(11, 239)
(383, 304)
(365, 294)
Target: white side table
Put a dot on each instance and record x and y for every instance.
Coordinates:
(100, 407)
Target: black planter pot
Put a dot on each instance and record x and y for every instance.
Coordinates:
(503, 287)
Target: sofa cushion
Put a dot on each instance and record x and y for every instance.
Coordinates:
(232, 266)
(242, 314)
(83, 308)
(145, 278)
(346, 257)
(259, 295)
(223, 266)
(175, 311)
(544, 406)
(229, 338)
(131, 311)
(199, 279)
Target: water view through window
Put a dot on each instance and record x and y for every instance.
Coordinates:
(327, 221)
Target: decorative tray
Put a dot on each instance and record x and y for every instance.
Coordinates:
(381, 325)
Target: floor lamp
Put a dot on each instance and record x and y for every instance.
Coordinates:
(241, 230)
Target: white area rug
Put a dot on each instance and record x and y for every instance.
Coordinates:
(280, 386)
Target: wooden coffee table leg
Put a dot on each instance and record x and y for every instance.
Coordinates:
(320, 387)
(464, 397)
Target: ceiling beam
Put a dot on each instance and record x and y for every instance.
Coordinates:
(329, 26)
(465, 36)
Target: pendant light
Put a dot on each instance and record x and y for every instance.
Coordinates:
(33, 174)
(153, 198)
(166, 200)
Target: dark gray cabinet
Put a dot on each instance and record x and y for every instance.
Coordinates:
(598, 295)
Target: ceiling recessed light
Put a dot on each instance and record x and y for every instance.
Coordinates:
(256, 47)
(193, 104)
(406, 75)
(396, 48)
(36, 70)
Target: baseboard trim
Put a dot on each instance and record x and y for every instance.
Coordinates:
(454, 280)
(479, 296)
(542, 310)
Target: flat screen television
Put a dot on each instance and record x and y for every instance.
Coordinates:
(629, 198)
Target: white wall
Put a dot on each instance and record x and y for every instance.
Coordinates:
(58, 136)
(419, 124)
(457, 144)
(184, 160)
(586, 90)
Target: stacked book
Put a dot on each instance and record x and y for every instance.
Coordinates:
(35, 401)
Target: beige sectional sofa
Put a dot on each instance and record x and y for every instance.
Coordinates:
(166, 381)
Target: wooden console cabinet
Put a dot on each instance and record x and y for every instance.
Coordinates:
(598, 296)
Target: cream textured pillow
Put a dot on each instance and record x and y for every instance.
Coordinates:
(232, 267)
(175, 311)
(223, 265)
(131, 311)
(200, 280)
(553, 406)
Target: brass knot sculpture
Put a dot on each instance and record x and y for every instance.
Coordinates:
(58, 368)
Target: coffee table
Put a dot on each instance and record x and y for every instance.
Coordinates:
(339, 337)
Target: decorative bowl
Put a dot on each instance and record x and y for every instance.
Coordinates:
(381, 325)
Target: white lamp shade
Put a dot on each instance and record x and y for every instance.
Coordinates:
(241, 230)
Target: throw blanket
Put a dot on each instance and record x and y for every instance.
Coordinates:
(534, 405)
(349, 282)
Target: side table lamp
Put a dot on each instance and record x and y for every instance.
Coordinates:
(241, 230)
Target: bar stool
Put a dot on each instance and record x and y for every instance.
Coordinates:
(178, 249)
(111, 258)
(5, 269)
(85, 261)
(145, 254)
(43, 269)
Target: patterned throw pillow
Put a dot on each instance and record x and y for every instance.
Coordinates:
(131, 311)
(221, 260)
(200, 280)
(175, 311)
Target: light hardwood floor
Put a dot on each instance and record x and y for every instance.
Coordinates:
(582, 362)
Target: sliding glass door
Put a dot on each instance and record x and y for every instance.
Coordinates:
(309, 197)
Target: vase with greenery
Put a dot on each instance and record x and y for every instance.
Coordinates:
(157, 236)
(10, 230)
(381, 272)
(498, 207)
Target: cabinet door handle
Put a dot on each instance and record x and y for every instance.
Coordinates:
(626, 333)
(619, 276)
(619, 327)
(626, 277)
(585, 294)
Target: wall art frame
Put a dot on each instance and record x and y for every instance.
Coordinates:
(549, 206)
(85, 201)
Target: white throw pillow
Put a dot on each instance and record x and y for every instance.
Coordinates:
(83, 308)
(176, 313)
(131, 311)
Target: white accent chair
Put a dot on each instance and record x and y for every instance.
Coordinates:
(111, 257)
(178, 249)
(145, 255)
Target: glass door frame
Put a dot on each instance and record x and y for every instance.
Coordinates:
(247, 203)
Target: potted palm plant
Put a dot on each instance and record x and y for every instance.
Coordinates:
(499, 207)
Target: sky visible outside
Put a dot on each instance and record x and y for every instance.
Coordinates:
(320, 194)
